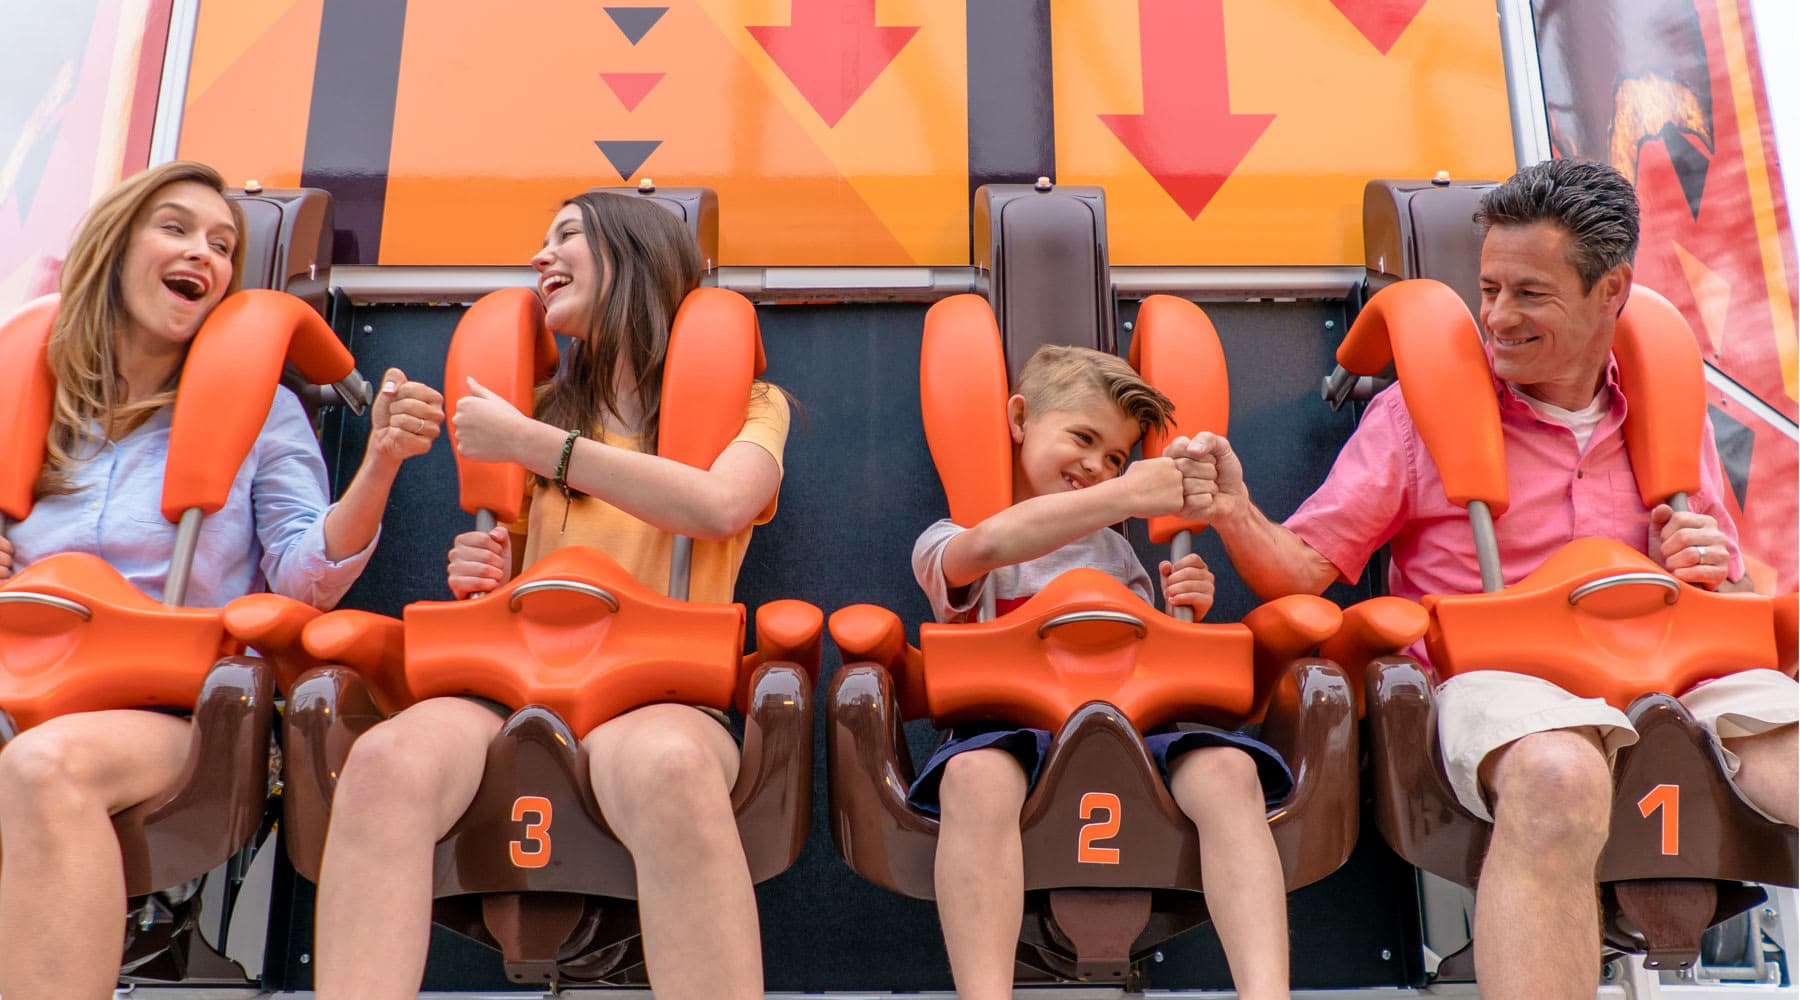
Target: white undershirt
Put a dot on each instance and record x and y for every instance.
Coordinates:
(1582, 421)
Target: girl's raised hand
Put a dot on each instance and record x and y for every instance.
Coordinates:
(486, 427)
(479, 561)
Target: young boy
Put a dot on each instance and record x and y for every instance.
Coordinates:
(1075, 418)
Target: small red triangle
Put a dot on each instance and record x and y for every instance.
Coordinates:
(1380, 21)
(631, 88)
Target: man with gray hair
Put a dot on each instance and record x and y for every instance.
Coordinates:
(1556, 269)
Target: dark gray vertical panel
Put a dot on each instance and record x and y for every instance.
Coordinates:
(1012, 119)
(351, 129)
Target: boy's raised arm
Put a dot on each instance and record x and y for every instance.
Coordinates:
(1040, 525)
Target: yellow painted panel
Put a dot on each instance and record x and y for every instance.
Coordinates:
(1343, 113)
(249, 92)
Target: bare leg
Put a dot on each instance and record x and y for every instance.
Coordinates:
(1240, 871)
(62, 887)
(663, 776)
(1767, 775)
(1537, 921)
(980, 870)
(407, 781)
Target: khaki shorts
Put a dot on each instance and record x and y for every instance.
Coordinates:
(1484, 710)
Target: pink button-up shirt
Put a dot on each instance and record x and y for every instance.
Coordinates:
(1385, 488)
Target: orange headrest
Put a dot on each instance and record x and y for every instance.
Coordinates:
(1424, 328)
(963, 393)
(502, 341)
(26, 393)
(1664, 382)
(228, 382)
(715, 352)
(1176, 349)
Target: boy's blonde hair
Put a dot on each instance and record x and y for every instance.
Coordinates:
(1060, 378)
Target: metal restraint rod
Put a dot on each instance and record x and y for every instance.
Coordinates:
(181, 564)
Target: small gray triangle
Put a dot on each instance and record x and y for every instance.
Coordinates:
(1736, 443)
(627, 155)
(636, 22)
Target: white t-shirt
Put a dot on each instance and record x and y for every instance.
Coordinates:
(1105, 550)
(1582, 421)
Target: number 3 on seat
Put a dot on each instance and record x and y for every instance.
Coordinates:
(534, 850)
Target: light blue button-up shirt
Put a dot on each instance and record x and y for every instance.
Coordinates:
(269, 535)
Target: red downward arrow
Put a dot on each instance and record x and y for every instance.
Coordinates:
(832, 51)
(1187, 137)
(1380, 21)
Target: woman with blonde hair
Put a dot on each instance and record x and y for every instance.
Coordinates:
(150, 261)
(612, 272)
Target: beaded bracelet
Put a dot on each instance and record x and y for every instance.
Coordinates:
(562, 463)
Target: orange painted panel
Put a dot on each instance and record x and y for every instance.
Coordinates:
(488, 138)
(1289, 100)
(836, 131)
(250, 89)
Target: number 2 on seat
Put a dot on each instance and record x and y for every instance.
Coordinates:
(534, 850)
(1087, 850)
(1668, 799)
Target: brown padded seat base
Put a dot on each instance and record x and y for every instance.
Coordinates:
(197, 822)
(1097, 764)
(1681, 832)
(534, 826)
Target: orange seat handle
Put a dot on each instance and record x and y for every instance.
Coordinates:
(715, 353)
(26, 397)
(1424, 329)
(1176, 349)
(502, 342)
(228, 383)
(1661, 373)
(962, 395)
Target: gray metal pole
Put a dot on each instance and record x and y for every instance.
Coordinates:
(1180, 547)
(681, 558)
(1487, 546)
(181, 564)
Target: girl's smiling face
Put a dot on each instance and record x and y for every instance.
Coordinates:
(570, 277)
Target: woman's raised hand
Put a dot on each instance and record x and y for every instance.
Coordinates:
(406, 417)
(486, 428)
(6, 557)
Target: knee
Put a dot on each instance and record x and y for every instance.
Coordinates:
(664, 774)
(1216, 776)
(385, 778)
(984, 786)
(43, 775)
(1555, 791)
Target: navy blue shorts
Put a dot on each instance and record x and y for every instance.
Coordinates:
(1030, 746)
